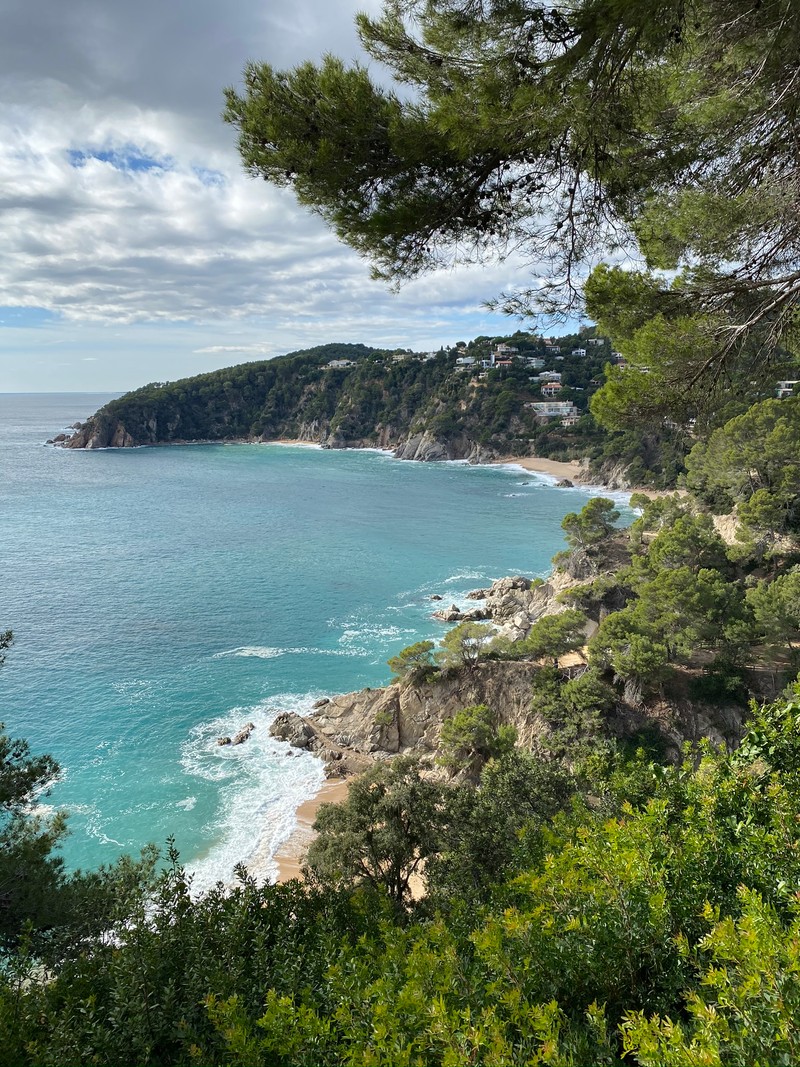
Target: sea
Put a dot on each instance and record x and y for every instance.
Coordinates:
(163, 597)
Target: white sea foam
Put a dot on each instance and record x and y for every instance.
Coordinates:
(294, 444)
(372, 633)
(264, 652)
(261, 784)
(187, 803)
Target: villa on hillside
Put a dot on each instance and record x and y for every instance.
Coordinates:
(551, 388)
(786, 388)
(555, 409)
(339, 364)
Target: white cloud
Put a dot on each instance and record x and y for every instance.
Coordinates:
(101, 240)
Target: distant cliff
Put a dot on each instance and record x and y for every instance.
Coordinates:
(424, 407)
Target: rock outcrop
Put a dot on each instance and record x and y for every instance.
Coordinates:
(354, 729)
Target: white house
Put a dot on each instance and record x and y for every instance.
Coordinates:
(595, 341)
(551, 388)
(551, 409)
(339, 364)
(786, 388)
(466, 361)
(578, 352)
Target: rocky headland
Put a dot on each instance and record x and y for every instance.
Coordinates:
(351, 731)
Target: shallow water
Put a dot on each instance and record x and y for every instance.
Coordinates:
(161, 597)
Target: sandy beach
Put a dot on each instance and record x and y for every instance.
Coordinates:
(292, 441)
(292, 852)
(558, 469)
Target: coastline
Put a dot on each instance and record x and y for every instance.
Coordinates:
(571, 469)
(290, 856)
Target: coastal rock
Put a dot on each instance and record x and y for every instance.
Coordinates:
(565, 483)
(477, 594)
(244, 734)
(223, 740)
(451, 614)
(291, 727)
(423, 447)
(321, 703)
(435, 596)
(505, 585)
(477, 614)
(399, 718)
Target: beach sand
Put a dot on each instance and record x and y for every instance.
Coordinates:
(559, 469)
(292, 441)
(578, 474)
(291, 854)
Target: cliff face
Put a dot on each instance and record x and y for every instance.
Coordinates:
(354, 729)
(338, 396)
(377, 723)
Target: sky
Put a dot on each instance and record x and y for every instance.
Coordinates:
(134, 247)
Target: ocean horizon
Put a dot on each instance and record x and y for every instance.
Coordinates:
(164, 596)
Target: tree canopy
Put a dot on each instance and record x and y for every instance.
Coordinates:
(664, 130)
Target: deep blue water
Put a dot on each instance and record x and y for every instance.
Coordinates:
(163, 596)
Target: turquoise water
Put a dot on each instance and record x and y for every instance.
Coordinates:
(163, 596)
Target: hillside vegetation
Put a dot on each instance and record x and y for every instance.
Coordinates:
(550, 883)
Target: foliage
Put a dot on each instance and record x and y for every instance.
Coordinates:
(746, 1006)
(381, 834)
(752, 461)
(658, 920)
(471, 738)
(414, 663)
(465, 645)
(592, 525)
(565, 133)
(45, 911)
(556, 635)
(776, 608)
(493, 832)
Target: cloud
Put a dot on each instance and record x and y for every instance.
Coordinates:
(123, 202)
(242, 349)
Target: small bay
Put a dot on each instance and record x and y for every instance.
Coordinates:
(161, 597)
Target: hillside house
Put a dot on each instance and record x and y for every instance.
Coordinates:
(549, 389)
(596, 341)
(553, 409)
(339, 364)
(466, 361)
(578, 352)
(786, 388)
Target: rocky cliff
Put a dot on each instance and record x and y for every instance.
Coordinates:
(352, 730)
(378, 723)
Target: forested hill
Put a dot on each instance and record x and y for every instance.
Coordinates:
(428, 406)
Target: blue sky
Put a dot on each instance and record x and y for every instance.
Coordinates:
(135, 248)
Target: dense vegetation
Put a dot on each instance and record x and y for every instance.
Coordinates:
(385, 398)
(567, 904)
(587, 900)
